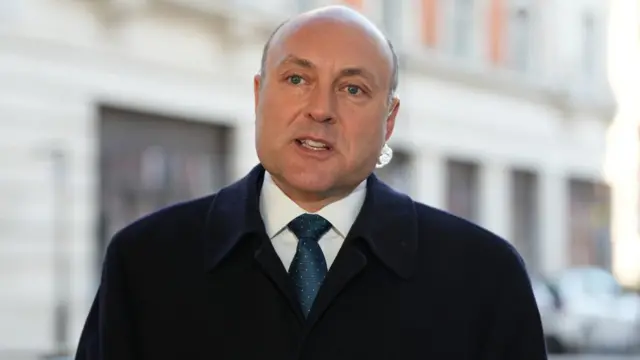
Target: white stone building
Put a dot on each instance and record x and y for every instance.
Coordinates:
(106, 104)
(621, 167)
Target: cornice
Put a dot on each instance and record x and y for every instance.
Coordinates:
(243, 22)
(547, 92)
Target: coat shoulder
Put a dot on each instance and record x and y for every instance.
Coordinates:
(453, 234)
(175, 222)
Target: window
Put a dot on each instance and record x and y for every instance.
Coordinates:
(589, 223)
(149, 161)
(392, 19)
(588, 45)
(590, 281)
(305, 5)
(599, 282)
(462, 189)
(462, 22)
(519, 38)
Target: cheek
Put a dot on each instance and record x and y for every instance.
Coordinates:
(271, 128)
(362, 138)
(278, 94)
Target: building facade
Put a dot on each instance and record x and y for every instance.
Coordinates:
(110, 109)
(623, 139)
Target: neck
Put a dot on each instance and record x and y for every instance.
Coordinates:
(312, 201)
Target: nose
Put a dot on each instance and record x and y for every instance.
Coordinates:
(321, 106)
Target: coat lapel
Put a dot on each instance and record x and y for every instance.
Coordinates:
(349, 263)
(387, 223)
(234, 216)
(272, 267)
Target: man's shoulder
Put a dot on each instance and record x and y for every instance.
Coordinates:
(474, 243)
(177, 221)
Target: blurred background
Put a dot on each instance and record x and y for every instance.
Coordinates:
(520, 115)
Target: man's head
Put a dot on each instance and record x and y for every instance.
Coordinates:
(325, 103)
(395, 61)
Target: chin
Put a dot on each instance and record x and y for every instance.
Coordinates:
(309, 181)
(303, 175)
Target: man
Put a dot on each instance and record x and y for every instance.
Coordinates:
(310, 256)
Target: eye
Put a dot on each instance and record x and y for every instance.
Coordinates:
(353, 89)
(295, 79)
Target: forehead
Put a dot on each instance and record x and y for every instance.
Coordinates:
(332, 42)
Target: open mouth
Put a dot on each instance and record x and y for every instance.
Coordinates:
(313, 145)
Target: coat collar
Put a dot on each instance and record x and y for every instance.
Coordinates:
(387, 222)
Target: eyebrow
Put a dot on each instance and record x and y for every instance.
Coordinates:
(292, 59)
(357, 72)
(349, 71)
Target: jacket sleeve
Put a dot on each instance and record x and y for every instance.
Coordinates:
(514, 325)
(108, 332)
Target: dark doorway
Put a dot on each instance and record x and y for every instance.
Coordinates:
(150, 161)
(590, 223)
(462, 189)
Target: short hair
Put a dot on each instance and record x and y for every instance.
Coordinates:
(394, 59)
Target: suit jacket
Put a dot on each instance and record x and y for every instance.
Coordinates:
(201, 280)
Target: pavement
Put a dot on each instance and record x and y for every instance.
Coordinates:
(595, 357)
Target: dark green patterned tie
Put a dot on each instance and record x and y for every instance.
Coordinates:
(309, 267)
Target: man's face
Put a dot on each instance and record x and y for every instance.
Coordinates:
(323, 111)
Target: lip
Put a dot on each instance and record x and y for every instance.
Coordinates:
(317, 139)
(320, 155)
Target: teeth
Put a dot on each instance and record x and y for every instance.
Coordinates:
(315, 145)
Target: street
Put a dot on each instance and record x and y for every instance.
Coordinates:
(28, 356)
(595, 357)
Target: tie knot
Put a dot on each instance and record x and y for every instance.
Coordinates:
(309, 226)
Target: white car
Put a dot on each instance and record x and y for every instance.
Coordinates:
(549, 305)
(594, 313)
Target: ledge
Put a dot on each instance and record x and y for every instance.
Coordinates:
(243, 21)
(247, 22)
(508, 83)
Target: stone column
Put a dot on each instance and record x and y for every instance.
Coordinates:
(430, 176)
(495, 196)
(554, 221)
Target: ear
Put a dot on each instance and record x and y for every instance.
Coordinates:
(257, 84)
(391, 118)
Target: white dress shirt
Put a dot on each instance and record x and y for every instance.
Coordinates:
(277, 210)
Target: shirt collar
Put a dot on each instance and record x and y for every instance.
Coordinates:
(391, 223)
(277, 210)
